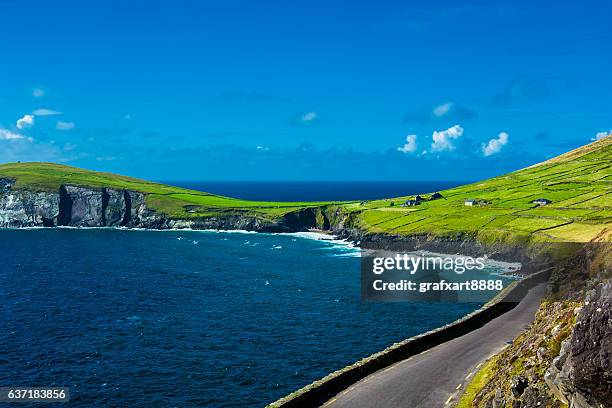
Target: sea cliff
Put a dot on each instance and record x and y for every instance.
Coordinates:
(78, 206)
(73, 206)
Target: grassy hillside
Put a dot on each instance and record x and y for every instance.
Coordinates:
(578, 183)
(174, 201)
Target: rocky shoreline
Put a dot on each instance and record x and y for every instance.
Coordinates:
(77, 206)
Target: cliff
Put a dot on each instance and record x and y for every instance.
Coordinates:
(564, 358)
(78, 206)
(73, 206)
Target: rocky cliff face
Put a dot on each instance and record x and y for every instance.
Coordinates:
(20, 209)
(82, 207)
(74, 206)
(115, 204)
(564, 358)
(77, 206)
(581, 375)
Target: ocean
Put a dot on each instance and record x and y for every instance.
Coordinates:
(316, 190)
(188, 318)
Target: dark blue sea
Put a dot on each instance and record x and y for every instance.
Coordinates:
(316, 190)
(186, 318)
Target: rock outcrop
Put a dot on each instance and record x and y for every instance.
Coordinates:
(564, 358)
(20, 209)
(581, 375)
(83, 205)
(113, 201)
(75, 206)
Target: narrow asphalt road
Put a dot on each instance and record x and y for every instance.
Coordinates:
(433, 378)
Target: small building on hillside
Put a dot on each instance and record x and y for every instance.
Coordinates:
(470, 202)
(410, 203)
(418, 198)
(435, 196)
(541, 201)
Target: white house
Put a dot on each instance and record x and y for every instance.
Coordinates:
(470, 202)
(410, 203)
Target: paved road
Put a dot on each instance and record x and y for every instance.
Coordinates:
(433, 378)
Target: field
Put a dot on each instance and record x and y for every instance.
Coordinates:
(578, 183)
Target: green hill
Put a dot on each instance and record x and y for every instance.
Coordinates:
(173, 201)
(578, 184)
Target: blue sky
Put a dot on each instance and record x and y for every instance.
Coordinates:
(317, 90)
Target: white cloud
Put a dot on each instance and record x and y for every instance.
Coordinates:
(27, 121)
(495, 145)
(442, 110)
(443, 139)
(45, 112)
(410, 146)
(308, 116)
(8, 135)
(61, 125)
(601, 135)
(37, 92)
(263, 148)
(16, 147)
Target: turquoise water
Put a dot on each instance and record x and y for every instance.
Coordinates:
(185, 318)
